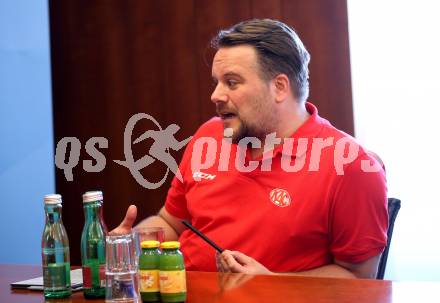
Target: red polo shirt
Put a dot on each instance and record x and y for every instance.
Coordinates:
(291, 220)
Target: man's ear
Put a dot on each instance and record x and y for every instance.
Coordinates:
(281, 87)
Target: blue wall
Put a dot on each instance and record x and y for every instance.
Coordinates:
(26, 148)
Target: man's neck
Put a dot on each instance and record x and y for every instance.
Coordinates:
(288, 124)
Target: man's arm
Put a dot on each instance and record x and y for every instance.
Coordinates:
(363, 270)
(235, 261)
(172, 225)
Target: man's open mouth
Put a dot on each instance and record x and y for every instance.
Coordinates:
(226, 115)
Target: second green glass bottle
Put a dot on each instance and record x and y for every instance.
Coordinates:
(93, 246)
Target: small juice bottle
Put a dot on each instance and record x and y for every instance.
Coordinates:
(172, 273)
(149, 271)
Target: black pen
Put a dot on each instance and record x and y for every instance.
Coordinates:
(201, 235)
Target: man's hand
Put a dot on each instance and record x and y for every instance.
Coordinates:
(172, 225)
(235, 261)
(126, 224)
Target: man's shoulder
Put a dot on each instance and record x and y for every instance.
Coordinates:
(339, 136)
(329, 130)
(344, 147)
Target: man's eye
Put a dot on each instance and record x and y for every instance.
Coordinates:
(231, 83)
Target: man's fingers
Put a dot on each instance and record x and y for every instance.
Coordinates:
(231, 262)
(241, 258)
(218, 262)
(221, 264)
(240, 263)
(130, 217)
(127, 223)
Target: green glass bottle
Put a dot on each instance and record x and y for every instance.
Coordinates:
(149, 271)
(172, 277)
(55, 251)
(93, 246)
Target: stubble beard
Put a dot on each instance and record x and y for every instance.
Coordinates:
(244, 130)
(261, 125)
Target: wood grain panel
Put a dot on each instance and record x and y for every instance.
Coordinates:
(266, 9)
(323, 28)
(212, 16)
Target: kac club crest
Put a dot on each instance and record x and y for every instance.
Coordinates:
(280, 197)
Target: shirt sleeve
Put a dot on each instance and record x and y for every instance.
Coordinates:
(175, 202)
(359, 215)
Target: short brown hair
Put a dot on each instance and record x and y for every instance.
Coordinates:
(279, 49)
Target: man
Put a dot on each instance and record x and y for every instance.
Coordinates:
(320, 217)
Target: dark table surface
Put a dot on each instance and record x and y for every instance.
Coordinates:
(216, 287)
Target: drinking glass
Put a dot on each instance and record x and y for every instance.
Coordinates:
(121, 271)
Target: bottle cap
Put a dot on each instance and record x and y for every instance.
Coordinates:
(170, 245)
(92, 196)
(150, 244)
(52, 199)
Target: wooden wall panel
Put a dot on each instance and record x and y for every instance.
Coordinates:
(323, 28)
(112, 59)
(212, 16)
(267, 9)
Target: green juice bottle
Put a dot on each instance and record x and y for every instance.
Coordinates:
(93, 246)
(55, 251)
(149, 271)
(172, 277)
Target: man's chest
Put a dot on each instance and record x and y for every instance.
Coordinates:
(296, 201)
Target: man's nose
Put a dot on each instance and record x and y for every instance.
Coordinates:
(218, 95)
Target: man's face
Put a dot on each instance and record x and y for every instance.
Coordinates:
(243, 100)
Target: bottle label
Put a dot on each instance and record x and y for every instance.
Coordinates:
(102, 275)
(149, 280)
(93, 276)
(55, 276)
(173, 281)
(87, 277)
